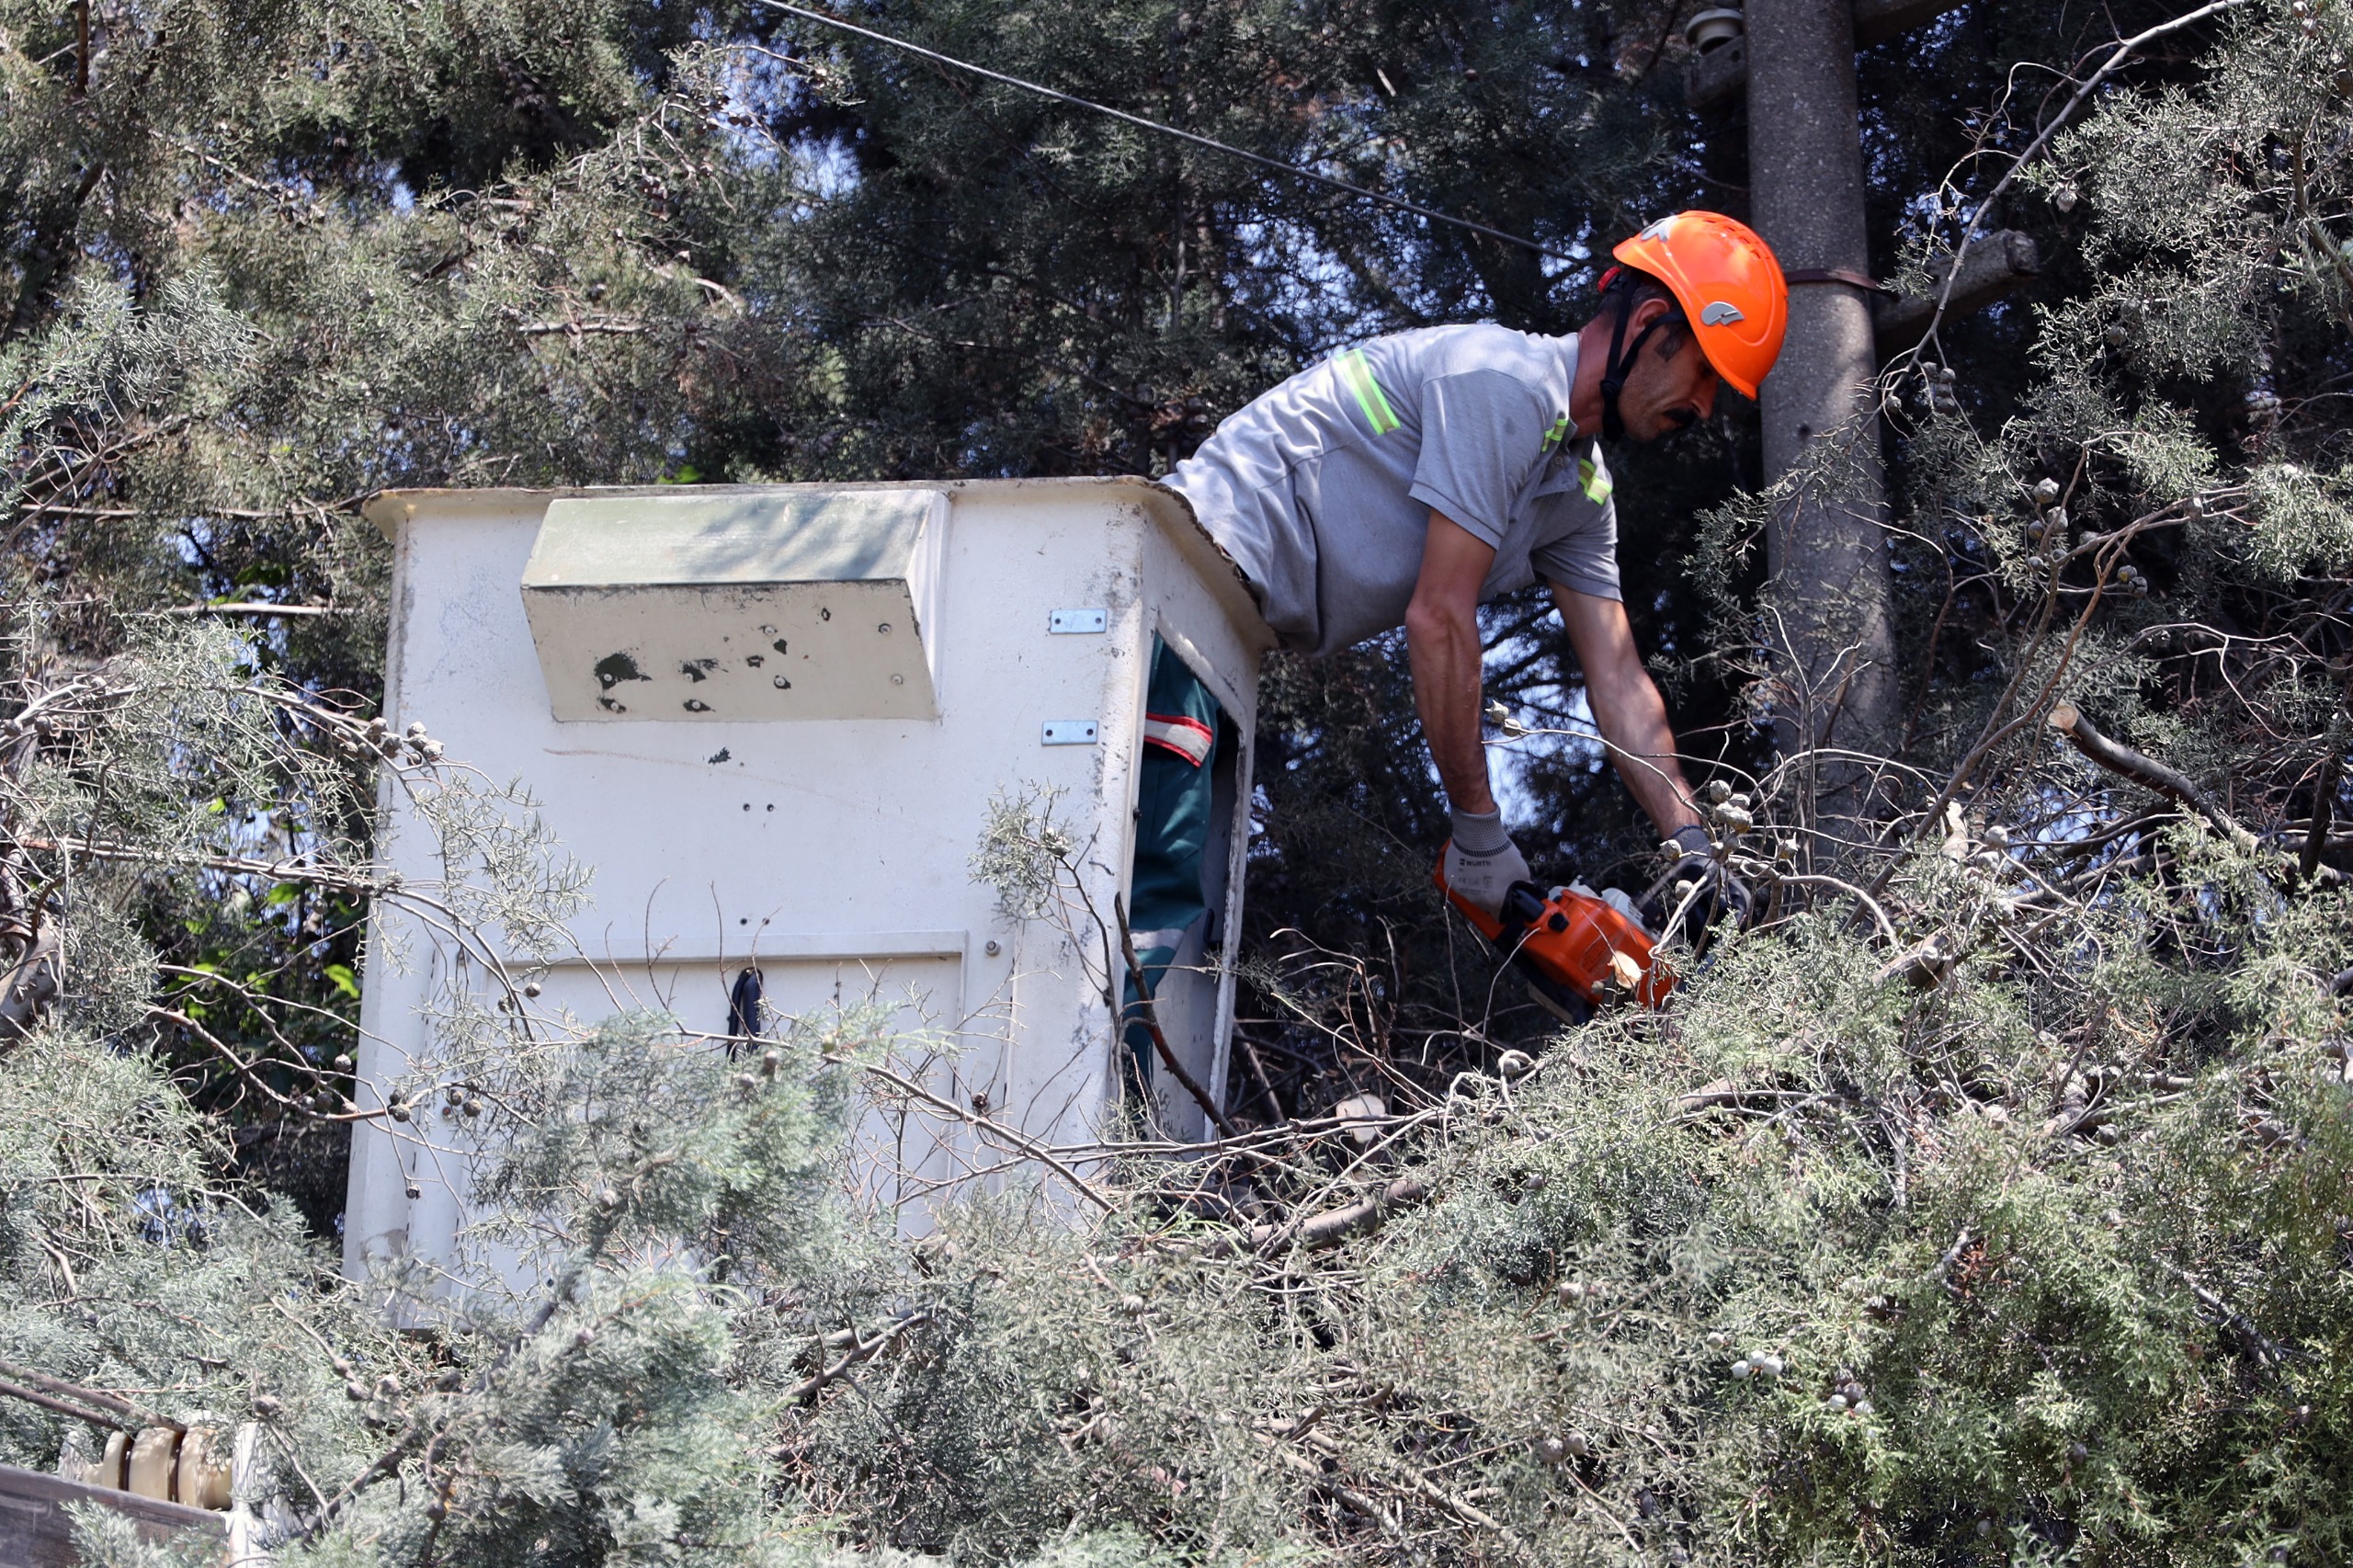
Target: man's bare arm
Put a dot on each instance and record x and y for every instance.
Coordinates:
(1627, 707)
(1443, 639)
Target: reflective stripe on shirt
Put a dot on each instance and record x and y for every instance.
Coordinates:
(1359, 379)
(1593, 482)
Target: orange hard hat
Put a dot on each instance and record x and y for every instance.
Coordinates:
(1728, 285)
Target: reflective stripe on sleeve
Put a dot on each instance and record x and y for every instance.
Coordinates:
(1596, 484)
(1357, 375)
(1188, 738)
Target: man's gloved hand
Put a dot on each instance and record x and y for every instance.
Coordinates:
(1482, 862)
(1718, 892)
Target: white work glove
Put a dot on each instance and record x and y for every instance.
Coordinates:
(1482, 862)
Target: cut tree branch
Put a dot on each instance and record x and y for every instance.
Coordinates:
(2147, 772)
(1334, 1226)
(31, 1396)
(2034, 149)
(50, 1392)
(860, 1350)
(2000, 263)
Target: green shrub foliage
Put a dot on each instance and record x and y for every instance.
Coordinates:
(1990, 1199)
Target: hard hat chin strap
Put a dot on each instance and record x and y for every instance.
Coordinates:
(1620, 363)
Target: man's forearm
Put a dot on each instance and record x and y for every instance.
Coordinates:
(1627, 707)
(1442, 641)
(1448, 668)
(1633, 720)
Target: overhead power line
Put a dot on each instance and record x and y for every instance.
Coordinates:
(1276, 164)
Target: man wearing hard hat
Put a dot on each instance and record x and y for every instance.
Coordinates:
(1408, 481)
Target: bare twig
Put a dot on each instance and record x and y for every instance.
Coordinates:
(1149, 1016)
(1030, 1147)
(1878, 914)
(31, 1396)
(255, 608)
(1334, 1226)
(859, 1350)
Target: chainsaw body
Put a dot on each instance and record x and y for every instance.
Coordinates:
(1576, 950)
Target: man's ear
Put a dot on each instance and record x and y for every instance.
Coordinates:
(1668, 341)
(1649, 311)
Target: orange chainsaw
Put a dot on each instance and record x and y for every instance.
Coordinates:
(1576, 951)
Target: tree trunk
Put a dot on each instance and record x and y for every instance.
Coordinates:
(1829, 599)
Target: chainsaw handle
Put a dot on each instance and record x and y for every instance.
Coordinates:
(1523, 906)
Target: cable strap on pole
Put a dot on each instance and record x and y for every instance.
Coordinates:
(1794, 276)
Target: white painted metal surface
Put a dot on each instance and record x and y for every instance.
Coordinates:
(766, 605)
(831, 852)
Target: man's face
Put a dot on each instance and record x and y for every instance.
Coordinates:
(1671, 387)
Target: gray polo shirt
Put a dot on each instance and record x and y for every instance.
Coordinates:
(1322, 489)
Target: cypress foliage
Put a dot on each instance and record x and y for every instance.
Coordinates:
(1988, 1202)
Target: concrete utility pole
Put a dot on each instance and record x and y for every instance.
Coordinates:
(1828, 549)
(1826, 552)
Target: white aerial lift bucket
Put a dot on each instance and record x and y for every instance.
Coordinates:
(772, 719)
